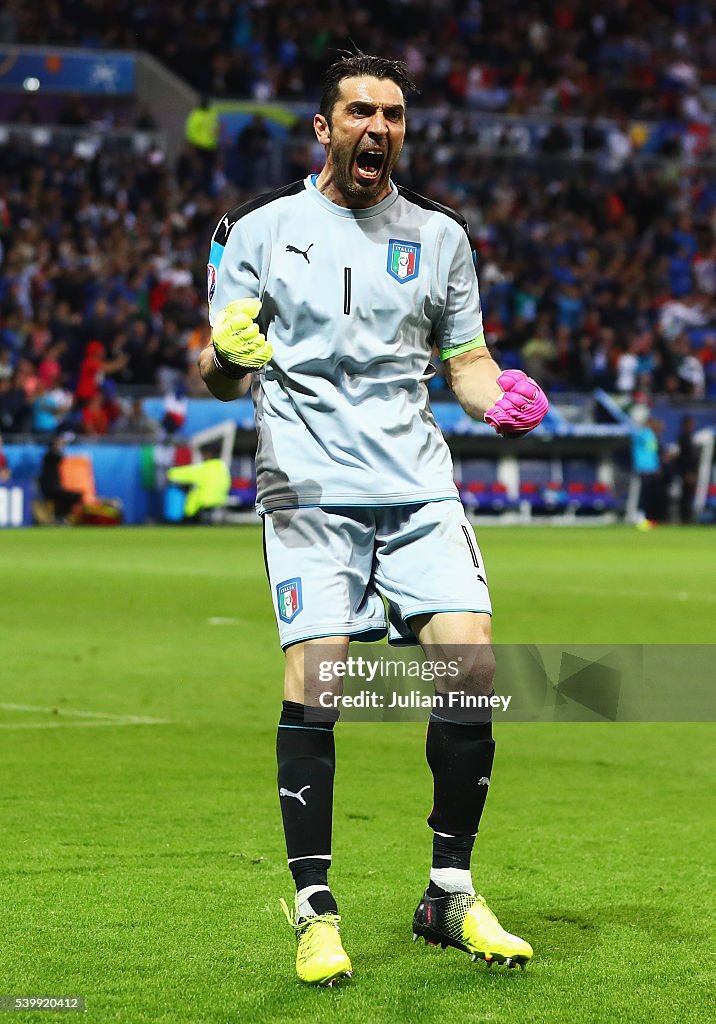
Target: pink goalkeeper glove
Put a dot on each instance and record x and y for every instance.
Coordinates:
(522, 407)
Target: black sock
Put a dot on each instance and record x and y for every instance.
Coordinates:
(460, 757)
(305, 752)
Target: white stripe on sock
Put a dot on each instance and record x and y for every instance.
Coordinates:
(304, 895)
(453, 879)
(311, 856)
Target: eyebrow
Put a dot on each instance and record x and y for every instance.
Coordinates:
(390, 108)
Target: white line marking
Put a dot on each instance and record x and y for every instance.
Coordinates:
(218, 621)
(59, 725)
(103, 716)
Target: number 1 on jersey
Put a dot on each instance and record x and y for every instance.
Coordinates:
(346, 290)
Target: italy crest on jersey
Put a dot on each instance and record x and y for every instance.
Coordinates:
(290, 600)
(403, 260)
(211, 281)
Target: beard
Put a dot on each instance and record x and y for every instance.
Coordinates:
(343, 159)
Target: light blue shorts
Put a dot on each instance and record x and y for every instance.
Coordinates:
(330, 568)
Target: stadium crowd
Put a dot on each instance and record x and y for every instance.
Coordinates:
(594, 273)
(655, 58)
(585, 282)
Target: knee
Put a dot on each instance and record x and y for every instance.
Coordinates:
(310, 678)
(475, 659)
(477, 670)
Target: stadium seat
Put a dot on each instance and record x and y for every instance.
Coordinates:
(554, 497)
(487, 498)
(500, 498)
(530, 491)
(602, 498)
(242, 493)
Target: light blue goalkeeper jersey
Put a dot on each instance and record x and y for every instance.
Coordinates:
(353, 302)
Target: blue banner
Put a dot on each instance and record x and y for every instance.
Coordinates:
(16, 504)
(117, 474)
(98, 73)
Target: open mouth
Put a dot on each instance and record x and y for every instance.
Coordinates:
(369, 164)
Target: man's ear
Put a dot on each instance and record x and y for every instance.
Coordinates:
(322, 129)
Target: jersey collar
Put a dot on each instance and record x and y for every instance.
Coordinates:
(343, 211)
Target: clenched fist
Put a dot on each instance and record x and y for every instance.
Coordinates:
(239, 346)
(522, 407)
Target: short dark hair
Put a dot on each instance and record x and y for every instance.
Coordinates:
(357, 65)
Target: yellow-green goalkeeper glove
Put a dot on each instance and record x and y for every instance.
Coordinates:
(239, 346)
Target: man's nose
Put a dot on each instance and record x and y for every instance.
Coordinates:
(378, 125)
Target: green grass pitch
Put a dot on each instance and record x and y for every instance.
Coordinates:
(141, 861)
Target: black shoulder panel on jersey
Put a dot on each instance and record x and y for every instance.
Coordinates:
(428, 204)
(229, 219)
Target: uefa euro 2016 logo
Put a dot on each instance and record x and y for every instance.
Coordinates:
(290, 599)
(403, 260)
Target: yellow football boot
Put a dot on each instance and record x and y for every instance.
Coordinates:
(320, 956)
(466, 922)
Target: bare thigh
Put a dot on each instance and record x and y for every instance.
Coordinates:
(301, 682)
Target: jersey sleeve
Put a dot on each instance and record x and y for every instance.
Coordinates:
(233, 268)
(459, 328)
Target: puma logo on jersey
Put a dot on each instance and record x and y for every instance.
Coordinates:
(484, 781)
(298, 796)
(300, 252)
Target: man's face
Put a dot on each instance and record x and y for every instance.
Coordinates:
(364, 140)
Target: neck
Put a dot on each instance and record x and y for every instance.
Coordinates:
(327, 186)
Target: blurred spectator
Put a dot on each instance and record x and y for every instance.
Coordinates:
(253, 153)
(202, 127)
(686, 466)
(4, 466)
(137, 422)
(76, 114)
(14, 407)
(171, 358)
(93, 369)
(49, 409)
(538, 353)
(145, 119)
(557, 141)
(26, 111)
(627, 369)
(689, 371)
(592, 137)
(49, 370)
(202, 134)
(94, 419)
(647, 464)
(65, 502)
(6, 368)
(208, 483)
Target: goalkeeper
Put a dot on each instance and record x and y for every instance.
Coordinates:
(326, 299)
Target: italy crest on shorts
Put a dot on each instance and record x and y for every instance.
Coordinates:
(290, 599)
(403, 260)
